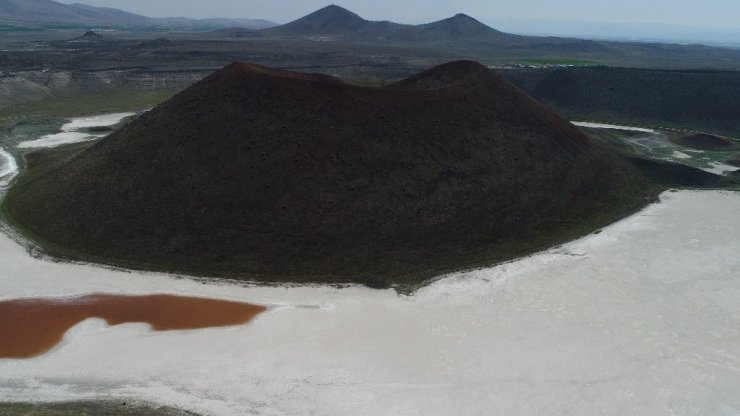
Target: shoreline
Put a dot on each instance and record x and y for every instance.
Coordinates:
(11, 169)
(538, 318)
(73, 131)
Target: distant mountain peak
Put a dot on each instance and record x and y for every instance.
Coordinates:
(334, 7)
(463, 18)
(329, 20)
(337, 23)
(461, 25)
(334, 12)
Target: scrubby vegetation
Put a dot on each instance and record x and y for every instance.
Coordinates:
(691, 100)
(89, 408)
(67, 105)
(704, 142)
(678, 176)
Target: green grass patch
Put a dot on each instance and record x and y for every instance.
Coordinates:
(81, 104)
(559, 61)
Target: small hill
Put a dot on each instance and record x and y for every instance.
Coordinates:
(89, 36)
(274, 175)
(705, 142)
(697, 100)
(333, 23)
(330, 20)
(459, 26)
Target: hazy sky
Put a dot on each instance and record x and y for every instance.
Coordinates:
(705, 13)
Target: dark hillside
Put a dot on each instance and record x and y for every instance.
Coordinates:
(460, 25)
(459, 28)
(55, 12)
(333, 23)
(329, 20)
(336, 23)
(260, 173)
(705, 142)
(694, 100)
(677, 176)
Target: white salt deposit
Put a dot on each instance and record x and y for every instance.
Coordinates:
(610, 126)
(58, 139)
(720, 168)
(70, 132)
(8, 167)
(680, 155)
(103, 120)
(640, 319)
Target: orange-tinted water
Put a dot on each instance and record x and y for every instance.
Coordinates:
(31, 327)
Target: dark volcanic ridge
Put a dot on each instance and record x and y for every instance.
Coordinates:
(337, 23)
(275, 175)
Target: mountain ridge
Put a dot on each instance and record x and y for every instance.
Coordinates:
(49, 11)
(339, 23)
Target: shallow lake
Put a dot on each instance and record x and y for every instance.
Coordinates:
(31, 327)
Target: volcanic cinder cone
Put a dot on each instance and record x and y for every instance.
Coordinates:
(262, 173)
